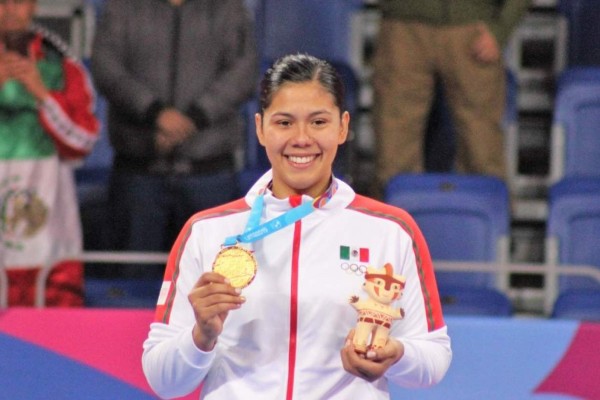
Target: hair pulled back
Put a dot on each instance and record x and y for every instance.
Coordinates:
(298, 68)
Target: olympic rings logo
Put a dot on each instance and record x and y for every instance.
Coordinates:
(353, 268)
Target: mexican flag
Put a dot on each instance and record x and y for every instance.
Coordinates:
(39, 216)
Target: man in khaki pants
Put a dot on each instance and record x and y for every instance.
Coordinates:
(460, 43)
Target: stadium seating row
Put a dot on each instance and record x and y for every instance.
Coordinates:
(465, 219)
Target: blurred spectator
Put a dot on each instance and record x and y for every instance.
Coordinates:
(460, 44)
(46, 120)
(175, 74)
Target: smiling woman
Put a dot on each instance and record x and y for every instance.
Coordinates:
(290, 335)
(301, 124)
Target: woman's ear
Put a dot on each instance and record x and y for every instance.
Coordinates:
(345, 126)
(259, 130)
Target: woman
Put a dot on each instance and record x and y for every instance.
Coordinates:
(289, 333)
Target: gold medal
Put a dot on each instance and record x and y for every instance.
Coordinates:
(236, 264)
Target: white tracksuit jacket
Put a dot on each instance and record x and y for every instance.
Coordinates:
(285, 340)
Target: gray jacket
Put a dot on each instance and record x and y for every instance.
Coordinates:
(200, 58)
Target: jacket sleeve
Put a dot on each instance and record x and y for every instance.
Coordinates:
(509, 16)
(68, 114)
(427, 351)
(238, 77)
(173, 365)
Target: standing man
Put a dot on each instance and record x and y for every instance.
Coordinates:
(46, 121)
(175, 73)
(460, 43)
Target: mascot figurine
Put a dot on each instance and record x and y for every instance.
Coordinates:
(375, 314)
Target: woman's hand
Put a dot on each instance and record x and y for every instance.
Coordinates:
(24, 70)
(212, 298)
(375, 363)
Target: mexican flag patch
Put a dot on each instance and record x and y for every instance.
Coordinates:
(360, 254)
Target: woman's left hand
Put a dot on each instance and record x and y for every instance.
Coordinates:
(375, 363)
(25, 70)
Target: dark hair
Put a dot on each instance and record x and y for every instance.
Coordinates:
(299, 68)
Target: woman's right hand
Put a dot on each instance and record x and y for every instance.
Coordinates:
(212, 298)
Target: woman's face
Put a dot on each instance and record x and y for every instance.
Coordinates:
(301, 131)
(16, 15)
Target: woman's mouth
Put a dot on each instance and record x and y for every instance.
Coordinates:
(301, 159)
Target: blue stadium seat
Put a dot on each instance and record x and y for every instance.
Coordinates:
(575, 185)
(351, 85)
(572, 234)
(464, 218)
(458, 300)
(97, 164)
(121, 293)
(583, 41)
(577, 76)
(254, 154)
(320, 28)
(92, 187)
(246, 178)
(580, 304)
(576, 117)
(255, 161)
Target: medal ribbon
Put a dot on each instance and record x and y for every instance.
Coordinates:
(255, 231)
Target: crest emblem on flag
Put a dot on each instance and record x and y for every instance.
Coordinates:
(39, 219)
(23, 214)
(354, 259)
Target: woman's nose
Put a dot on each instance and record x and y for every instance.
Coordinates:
(303, 134)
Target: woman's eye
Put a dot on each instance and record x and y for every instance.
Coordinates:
(284, 123)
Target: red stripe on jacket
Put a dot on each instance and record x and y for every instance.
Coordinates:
(163, 312)
(294, 202)
(77, 102)
(431, 297)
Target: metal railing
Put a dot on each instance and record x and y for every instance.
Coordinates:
(550, 271)
(100, 257)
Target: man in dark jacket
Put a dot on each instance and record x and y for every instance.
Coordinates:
(175, 73)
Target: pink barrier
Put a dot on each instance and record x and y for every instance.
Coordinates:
(93, 337)
(109, 341)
